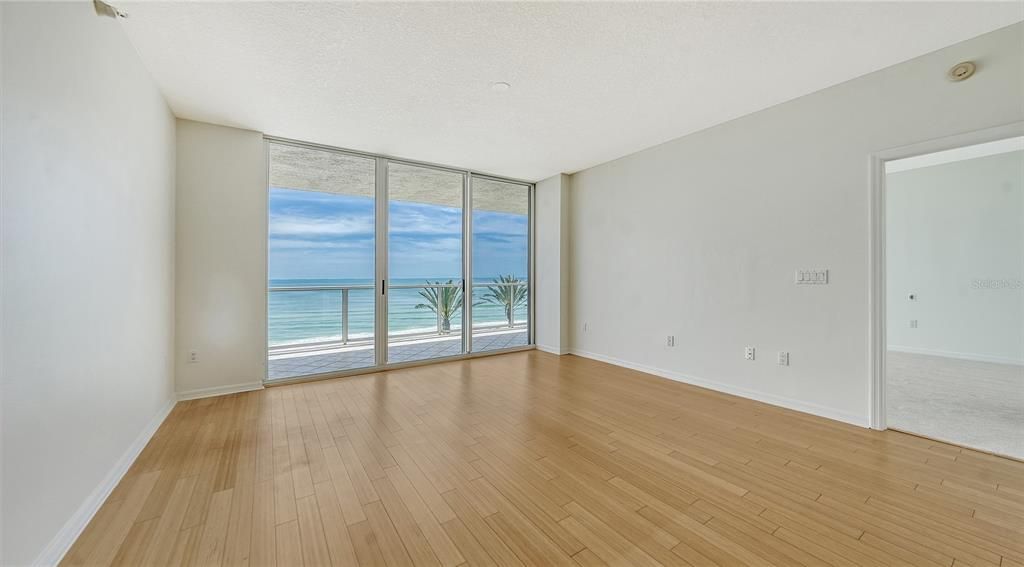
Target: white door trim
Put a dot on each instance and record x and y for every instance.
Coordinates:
(877, 277)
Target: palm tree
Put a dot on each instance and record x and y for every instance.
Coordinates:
(508, 292)
(444, 300)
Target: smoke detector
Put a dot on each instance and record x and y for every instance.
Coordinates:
(961, 71)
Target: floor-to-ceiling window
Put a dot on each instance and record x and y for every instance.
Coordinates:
(501, 260)
(321, 304)
(425, 300)
(374, 261)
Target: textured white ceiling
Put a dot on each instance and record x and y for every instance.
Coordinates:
(590, 82)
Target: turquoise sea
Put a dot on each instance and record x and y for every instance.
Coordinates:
(315, 316)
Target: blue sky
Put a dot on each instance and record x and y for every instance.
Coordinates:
(319, 235)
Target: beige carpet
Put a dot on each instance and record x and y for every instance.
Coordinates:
(977, 404)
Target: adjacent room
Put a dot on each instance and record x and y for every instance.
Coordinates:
(955, 287)
(511, 283)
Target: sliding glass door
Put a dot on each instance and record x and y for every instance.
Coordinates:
(370, 258)
(425, 300)
(321, 249)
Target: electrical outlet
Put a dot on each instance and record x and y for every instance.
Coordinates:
(748, 353)
(671, 341)
(193, 356)
(783, 358)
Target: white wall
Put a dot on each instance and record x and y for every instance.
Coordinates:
(551, 223)
(87, 269)
(2, 263)
(221, 303)
(955, 239)
(699, 237)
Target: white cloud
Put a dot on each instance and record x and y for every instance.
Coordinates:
(290, 225)
(408, 220)
(304, 244)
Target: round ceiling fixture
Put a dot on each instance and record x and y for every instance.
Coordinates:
(961, 71)
(500, 86)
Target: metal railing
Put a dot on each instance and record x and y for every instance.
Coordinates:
(346, 289)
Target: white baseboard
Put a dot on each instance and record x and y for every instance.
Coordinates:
(61, 543)
(781, 401)
(219, 390)
(552, 350)
(957, 355)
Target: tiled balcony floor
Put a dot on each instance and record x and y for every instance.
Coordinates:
(339, 359)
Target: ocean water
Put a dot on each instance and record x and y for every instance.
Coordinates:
(315, 316)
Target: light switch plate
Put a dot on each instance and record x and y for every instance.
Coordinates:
(811, 277)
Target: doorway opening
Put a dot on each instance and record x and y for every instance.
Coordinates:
(949, 291)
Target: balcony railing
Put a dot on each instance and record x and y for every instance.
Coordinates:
(345, 291)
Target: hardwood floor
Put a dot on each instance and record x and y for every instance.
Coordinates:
(534, 459)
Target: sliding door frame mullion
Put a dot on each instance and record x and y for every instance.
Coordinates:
(531, 266)
(381, 262)
(467, 263)
(266, 264)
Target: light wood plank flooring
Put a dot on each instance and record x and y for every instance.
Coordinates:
(533, 459)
